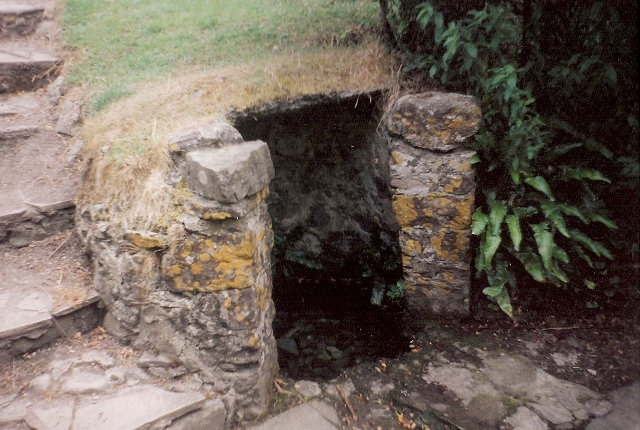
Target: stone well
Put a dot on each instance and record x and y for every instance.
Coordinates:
(344, 180)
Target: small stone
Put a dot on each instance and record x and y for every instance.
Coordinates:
(212, 415)
(593, 372)
(70, 117)
(167, 372)
(563, 360)
(231, 173)
(347, 388)
(307, 389)
(41, 383)
(55, 91)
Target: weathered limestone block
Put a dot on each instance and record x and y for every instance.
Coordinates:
(230, 173)
(433, 201)
(229, 256)
(435, 121)
(214, 135)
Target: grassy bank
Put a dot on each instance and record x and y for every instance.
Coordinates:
(149, 68)
(120, 43)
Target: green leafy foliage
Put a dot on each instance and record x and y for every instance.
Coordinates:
(540, 173)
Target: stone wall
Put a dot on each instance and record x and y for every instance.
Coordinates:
(199, 292)
(434, 188)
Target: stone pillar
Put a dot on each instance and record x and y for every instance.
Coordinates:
(199, 290)
(433, 200)
(222, 265)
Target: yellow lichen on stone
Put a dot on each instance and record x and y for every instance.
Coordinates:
(175, 269)
(196, 268)
(450, 244)
(216, 215)
(253, 340)
(147, 240)
(204, 257)
(412, 247)
(397, 158)
(453, 185)
(186, 250)
(404, 209)
(465, 213)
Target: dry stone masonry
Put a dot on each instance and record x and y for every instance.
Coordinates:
(200, 291)
(433, 200)
(202, 298)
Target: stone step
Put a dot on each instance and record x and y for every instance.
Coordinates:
(40, 174)
(24, 68)
(19, 20)
(45, 293)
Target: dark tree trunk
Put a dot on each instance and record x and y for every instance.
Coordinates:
(386, 26)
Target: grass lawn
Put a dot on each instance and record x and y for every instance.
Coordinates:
(120, 43)
(146, 69)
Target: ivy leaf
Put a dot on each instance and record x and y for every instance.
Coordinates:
(496, 216)
(573, 211)
(580, 173)
(513, 222)
(606, 221)
(501, 296)
(592, 245)
(544, 240)
(471, 49)
(540, 184)
(552, 213)
(489, 248)
(533, 266)
(479, 222)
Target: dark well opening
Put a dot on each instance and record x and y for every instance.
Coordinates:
(336, 260)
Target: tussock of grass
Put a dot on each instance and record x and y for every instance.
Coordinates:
(128, 141)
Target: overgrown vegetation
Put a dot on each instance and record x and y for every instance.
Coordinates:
(559, 136)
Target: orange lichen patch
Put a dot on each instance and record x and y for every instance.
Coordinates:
(465, 213)
(216, 215)
(147, 239)
(253, 340)
(450, 244)
(453, 185)
(196, 268)
(207, 265)
(412, 247)
(397, 157)
(404, 209)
